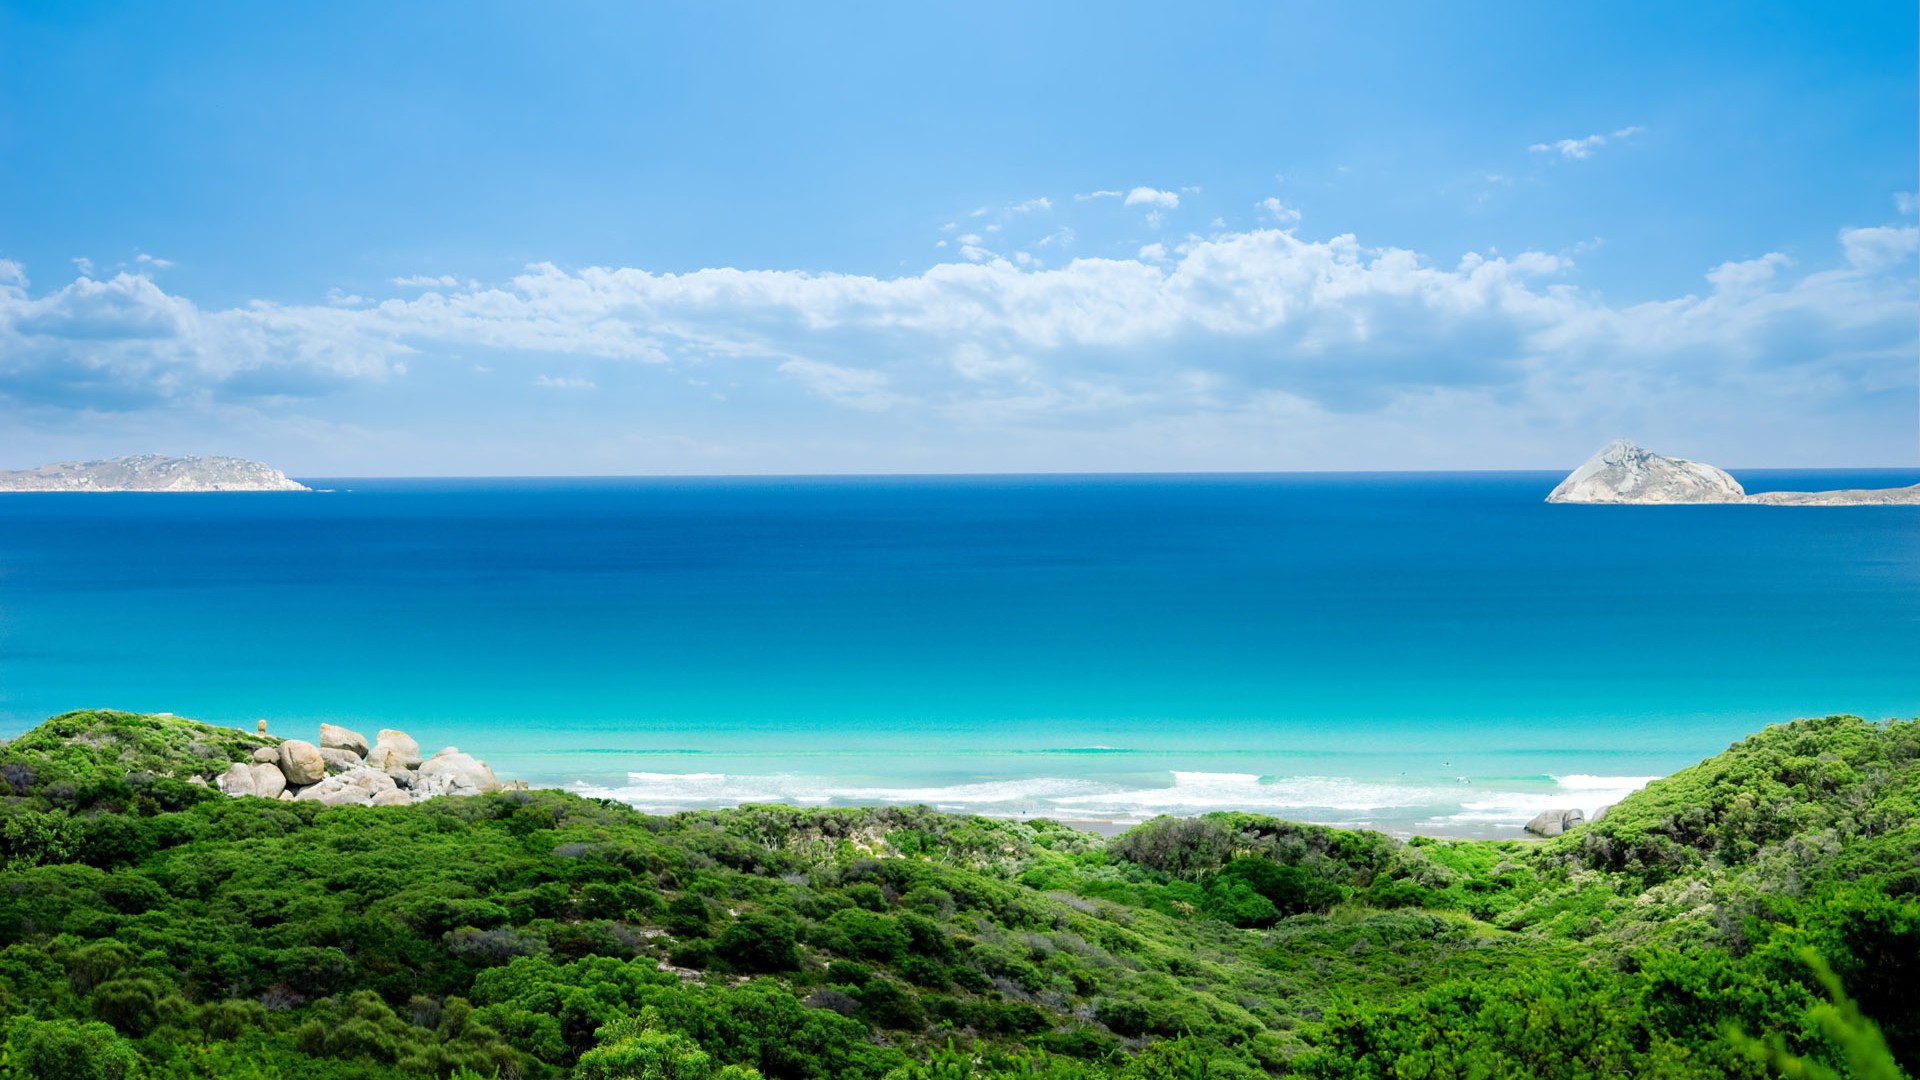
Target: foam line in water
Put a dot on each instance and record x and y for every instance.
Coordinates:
(1329, 799)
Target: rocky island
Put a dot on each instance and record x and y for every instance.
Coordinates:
(1623, 473)
(151, 472)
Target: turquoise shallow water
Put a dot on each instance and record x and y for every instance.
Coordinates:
(1417, 651)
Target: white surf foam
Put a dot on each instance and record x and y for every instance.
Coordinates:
(1328, 799)
(1588, 793)
(1201, 792)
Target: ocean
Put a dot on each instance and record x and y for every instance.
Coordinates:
(1435, 653)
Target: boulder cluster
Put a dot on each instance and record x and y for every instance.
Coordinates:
(1551, 823)
(344, 770)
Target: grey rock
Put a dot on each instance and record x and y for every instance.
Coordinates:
(1552, 823)
(268, 780)
(267, 755)
(451, 772)
(370, 779)
(382, 757)
(301, 762)
(336, 791)
(335, 737)
(401, 744)
(1600, 813)
(286, 796)
(1625, 473)
(392, 797)
(1905, 496)
(151, 472)
(1622, 473)
(237, 780)
(340, 760)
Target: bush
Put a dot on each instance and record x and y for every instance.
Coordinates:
(760, 943)
(64, 1050)
(1292, 890)
(863, 934)
(1187, 848)
(688, 916)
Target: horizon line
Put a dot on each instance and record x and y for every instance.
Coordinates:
(1037, 473)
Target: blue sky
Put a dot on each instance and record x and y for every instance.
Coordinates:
(360, 239)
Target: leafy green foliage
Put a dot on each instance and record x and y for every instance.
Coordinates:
(152, 928)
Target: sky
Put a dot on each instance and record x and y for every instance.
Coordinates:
(360, 239)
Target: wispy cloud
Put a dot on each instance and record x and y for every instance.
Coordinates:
(1581, 149)
(1146, 196)
(564, 383)
(856, 388)
(1281, 212)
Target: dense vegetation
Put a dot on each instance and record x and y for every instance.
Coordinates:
(152, 928)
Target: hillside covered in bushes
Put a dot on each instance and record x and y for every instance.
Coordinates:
(1755, 915)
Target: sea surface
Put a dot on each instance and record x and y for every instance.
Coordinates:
(1440, 653)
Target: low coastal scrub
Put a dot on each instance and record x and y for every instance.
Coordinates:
(1756, 915)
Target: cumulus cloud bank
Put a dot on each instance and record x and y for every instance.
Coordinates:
(1260, 324)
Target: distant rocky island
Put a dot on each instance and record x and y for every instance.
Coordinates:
(1623, 473)
(151, 472)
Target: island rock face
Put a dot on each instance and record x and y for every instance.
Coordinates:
(1623, 472)
(151, 472)
(1906, 496)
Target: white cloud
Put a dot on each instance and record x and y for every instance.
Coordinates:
(1747, 273)
(853, 387)
(1031, 205)
(1881, 247)
(427, 281)
(1261, 332)
(1904, 201)
(1146, 196)
(1580, 149)
(1571, 148)
(1099, 195)
(82, 264)
(1284, 214)
(148, 260)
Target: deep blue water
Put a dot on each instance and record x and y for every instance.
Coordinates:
(1443, 651)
